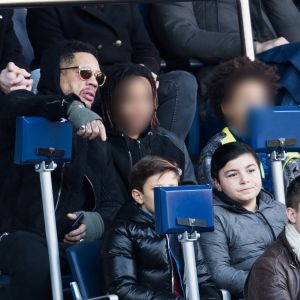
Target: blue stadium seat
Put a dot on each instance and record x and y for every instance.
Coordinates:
(84, 261)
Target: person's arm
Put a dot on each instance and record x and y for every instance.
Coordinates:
(12, 50)
(53, 108)
(144, 51)
(266, 281)
(120, 269)
(285, 18)
(216, 253)
(177, 29)
(44, 30)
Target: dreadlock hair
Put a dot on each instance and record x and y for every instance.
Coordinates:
(230, 74)
(118, 74)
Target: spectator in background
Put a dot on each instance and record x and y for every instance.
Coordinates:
(88, 185)
(247, 219)
(138, 263)
(119, 34)
(276, 274)
(129, 104)
(13, 67)
(237, 86)
(209, 30)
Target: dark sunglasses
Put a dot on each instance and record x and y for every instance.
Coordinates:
(86, 73)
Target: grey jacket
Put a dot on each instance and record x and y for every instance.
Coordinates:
(239, 238)
(209, 29)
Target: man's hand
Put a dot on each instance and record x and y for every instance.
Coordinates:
(93, 130)
(14, 78)
(77, 235)
(262, 47)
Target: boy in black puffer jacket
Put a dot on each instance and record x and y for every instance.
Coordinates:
(129, 113)
(139, 263)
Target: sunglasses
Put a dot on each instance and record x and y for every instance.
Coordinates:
(86, 73)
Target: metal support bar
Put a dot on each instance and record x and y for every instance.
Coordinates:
(246, 28)
(50, 227)
(277, 159)
(187, 243)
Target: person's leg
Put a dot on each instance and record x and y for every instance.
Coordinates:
(177, 97)
(24, 257)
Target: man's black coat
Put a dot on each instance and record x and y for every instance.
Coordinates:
(117, 31)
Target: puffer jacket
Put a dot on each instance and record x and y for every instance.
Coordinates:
(276, 274)
(137, 261)
(209, 29)
(157, 141)
(239, 238)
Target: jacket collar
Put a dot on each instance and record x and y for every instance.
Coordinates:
(264, 200)
(132, 212)
(112, 132)
(294, 260)
(102, 16)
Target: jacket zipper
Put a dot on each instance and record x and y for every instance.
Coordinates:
(170, 258)
(60, 187)
(91, 184)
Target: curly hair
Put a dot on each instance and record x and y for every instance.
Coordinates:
(231, 73)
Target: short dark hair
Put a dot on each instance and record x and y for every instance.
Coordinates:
(293, 194)
(230, 74)
(71, 47)
(150, 166)
(228, 152)
(118, 74)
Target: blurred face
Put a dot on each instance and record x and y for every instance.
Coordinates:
(135, 107)
(240, 180)
(71, 82)
(294, 217)
(146, 197)
(246, 95)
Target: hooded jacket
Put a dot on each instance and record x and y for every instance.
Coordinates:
(239, 238)
(137, 261)
(276, 274)
(78, 185)
(157, 141)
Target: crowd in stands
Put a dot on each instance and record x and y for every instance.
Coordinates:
(100, 67)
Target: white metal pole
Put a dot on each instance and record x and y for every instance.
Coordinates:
(245, 21)
(187, 245)
(50, 228)
(277, 178)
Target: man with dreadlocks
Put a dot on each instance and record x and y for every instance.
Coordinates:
(129, 113)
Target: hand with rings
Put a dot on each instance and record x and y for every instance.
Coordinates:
(92, 130)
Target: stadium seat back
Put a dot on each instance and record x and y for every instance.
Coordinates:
(84, 261)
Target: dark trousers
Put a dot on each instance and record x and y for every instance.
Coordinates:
(24, 257)
(177, 97)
